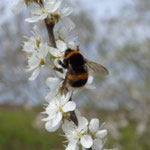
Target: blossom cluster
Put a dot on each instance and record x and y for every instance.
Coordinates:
(83, 133)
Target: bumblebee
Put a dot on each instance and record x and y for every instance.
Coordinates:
(78, 69)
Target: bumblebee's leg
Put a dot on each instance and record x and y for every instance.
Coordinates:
(62, 64)
(58, 69)
(63, 89)
(78, 49)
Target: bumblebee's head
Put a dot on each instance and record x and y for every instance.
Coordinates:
(68, 51)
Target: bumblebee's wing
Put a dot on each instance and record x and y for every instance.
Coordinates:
(96, 68)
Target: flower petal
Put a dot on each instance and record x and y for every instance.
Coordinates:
(51, 111)
(63, 32)
(53, 83)
(94, 125)
(57, 119)
(97, 144)
(32, 19)
(52, 7)
(86, 141)
(50, 128)
(56, 63)
(66, 11)
(72, 145)
(101, 133)
(70, 106)
(65, 98)
(68, 23)
(90, 79)
(35, 9)
(35, 74)
(54, 51)
(43, 16)
(49, 97)
(61, 45)
(82, 123)
(71, 44)
(43, 51)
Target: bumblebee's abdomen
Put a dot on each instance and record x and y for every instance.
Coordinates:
(77, 80)
(77, 84)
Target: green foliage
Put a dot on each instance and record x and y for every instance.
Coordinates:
(17, 132)
(129, 138)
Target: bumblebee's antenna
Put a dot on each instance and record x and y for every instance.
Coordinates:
(78, 49)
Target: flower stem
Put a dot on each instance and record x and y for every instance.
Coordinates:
(50, 66)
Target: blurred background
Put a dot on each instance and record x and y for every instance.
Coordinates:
(114, 33)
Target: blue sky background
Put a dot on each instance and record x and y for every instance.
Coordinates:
(101, 8)
(125, 30)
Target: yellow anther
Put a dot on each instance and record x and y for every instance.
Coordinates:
(41, 62)
(38, 43)
(57, 16)
(93, 135)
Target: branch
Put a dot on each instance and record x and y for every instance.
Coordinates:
(50, 26)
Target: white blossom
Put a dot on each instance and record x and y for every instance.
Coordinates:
(57, 109)
(50, 7)
(89, 83)
(54, 84)
(37, 52)
(87, 135)
(97, 134)
(58, 53)
(60, 50)
(37, 60)
(63, 32)
(32, 43)
(77, 135)
(68, 24)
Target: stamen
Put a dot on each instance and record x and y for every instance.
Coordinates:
(41, 62)
(38, 43)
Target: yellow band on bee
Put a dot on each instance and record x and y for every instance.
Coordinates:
(71, 53)
(82, 76)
